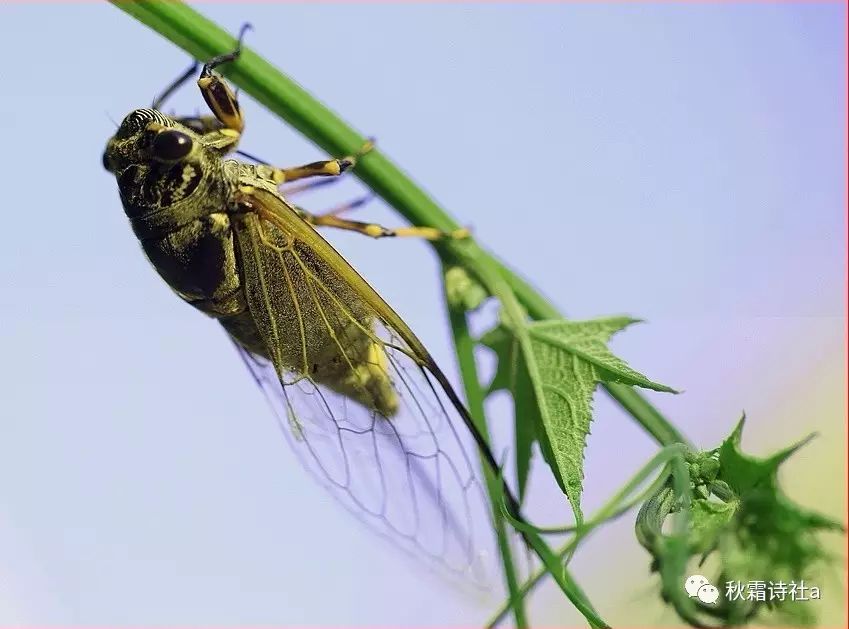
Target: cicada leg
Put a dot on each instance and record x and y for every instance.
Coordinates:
(176, 84)
(339, 209)
(309, 185)
(331, 219)
(197, 123)
(324, 168)
(221, 100)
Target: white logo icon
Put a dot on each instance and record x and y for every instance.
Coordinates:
(698, 585)
(708, 594)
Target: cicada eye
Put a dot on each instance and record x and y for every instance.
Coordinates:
(171, 145)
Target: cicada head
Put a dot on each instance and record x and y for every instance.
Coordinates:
(157, 161)
(147, 136)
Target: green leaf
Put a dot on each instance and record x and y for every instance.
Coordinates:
(771, 537)
(743, 472)
(552, 369)
(586, 341)
(739, 514)
(774, 533)
(511, 376)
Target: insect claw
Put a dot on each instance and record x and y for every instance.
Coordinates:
(228, 57)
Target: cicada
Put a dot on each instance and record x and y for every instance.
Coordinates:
(361, 400)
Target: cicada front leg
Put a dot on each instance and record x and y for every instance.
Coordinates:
(217, 94)
(222, 101)
(197, 123)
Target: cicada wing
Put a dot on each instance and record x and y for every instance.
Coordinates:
(373, 428)
(416, 489)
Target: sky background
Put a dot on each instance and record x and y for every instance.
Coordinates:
(682, 163)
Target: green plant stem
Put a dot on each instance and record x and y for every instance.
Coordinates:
(465, 345)
(610, 510)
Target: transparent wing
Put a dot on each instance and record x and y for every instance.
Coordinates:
(358, 407)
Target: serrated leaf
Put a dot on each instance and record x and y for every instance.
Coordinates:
(552, 369)
(771, 536)
(741, 471)
(587, 341)
(747, 522)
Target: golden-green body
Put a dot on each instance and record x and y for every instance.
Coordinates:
(220, 258)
